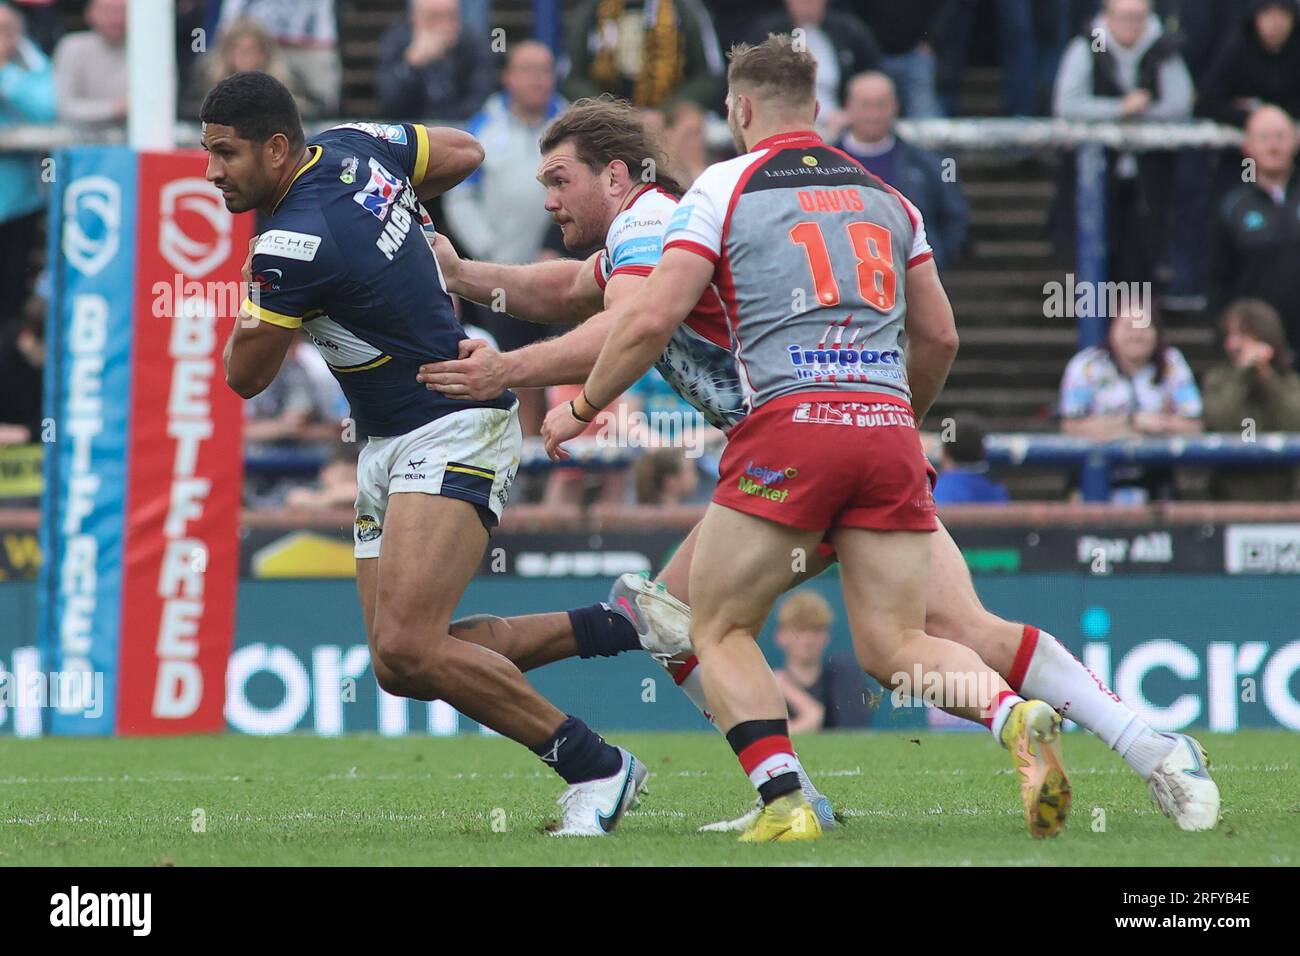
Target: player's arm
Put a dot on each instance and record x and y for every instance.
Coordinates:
(559, 290)
(931, 336)
(269, 319)
(444, 157)
(482, 373)
(254, 353)
(642, 328)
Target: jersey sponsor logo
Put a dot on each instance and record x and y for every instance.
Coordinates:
(380, 193)
(287, 244)
(92, 222)
(385, 131)
(644, 251)
(830, 200)
(195, 256)
(680, 218)
(810, 360)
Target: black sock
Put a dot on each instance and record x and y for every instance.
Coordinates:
(600, 631)
(578, 754)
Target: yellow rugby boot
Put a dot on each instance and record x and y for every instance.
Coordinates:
(1032, 734)
(786, 818)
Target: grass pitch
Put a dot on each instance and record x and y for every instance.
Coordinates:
(919, 800)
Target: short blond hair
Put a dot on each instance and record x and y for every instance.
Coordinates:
(776, 70)
(805, 611)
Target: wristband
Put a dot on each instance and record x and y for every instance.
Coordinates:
(574, 412)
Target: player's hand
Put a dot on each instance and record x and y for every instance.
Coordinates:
(479, 374)
(560, 426)
(448, 260)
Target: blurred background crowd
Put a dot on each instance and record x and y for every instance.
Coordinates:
(1215, 232)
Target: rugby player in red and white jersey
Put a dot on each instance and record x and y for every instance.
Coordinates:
(589, 186)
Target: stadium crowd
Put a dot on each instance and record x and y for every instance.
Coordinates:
(1216, 233)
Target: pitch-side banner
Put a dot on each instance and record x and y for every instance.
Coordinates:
(143, 477)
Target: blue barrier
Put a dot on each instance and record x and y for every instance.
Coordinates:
(1096, 459)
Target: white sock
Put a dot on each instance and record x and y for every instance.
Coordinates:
(1002, 711)
(1045, 670)
(692, 685)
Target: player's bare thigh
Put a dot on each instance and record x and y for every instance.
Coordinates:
(676, 574)
(954, 610)
(884, 577)
(432, 547)
(367, 589)
(741, 565)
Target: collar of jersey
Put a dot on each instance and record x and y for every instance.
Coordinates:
(803, 137)
(630, 201)
(320, 151)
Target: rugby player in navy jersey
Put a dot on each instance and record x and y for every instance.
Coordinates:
(343, 257)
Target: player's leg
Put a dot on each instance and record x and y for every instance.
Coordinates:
(742, 563)
(1037, 665)
(884, 578)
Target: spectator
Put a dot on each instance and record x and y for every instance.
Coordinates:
(872, 140)
(1256, 389)
(821, 693)
(429, 67)
(684, 141)
(963, 468)
(1130, 71)
(26, 96)
(645, 51)
(1259, 64)
(498, 212)
(907, 47)
(90, 66)
(22, 372)
(43, 22)
(245, 45)
(1255, 233)
(842, 44)
(1134, 385)
(665, 476)
(307, 32)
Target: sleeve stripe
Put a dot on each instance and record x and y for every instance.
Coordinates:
(917, 260)
(275, 318)
(632, 271)
(421, 154)
(695, 247)
(600, 272)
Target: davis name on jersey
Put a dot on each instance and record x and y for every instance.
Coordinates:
(340, 258)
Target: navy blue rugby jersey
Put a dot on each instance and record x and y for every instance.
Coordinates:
(345, 258)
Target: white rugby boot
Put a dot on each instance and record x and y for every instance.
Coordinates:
(1181, 785)
(593, 808)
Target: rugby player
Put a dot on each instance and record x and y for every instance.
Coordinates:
(590, 198)
(343, 257)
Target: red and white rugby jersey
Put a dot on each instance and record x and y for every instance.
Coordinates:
(811, 254)
(698, 361)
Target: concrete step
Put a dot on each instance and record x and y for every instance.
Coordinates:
(1021, 250)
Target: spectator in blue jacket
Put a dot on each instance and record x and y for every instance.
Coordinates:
(26, 96)
(963, 468)
(872, 108)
